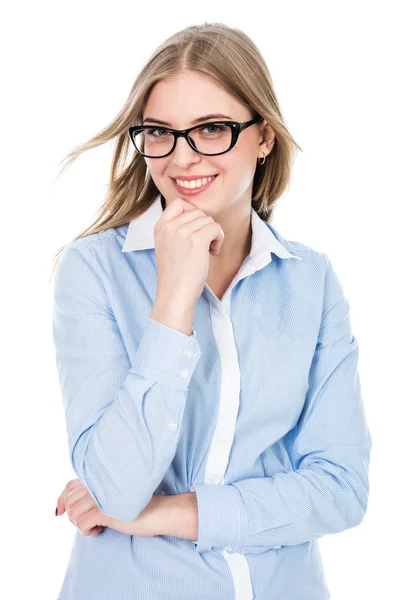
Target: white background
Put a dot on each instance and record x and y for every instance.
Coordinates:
(67, 68)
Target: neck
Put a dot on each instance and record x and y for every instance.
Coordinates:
(236, 245)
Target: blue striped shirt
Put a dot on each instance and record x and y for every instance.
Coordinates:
(259, 412)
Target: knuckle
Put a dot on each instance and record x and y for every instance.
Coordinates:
(72, 516)
(195, 241)
(67, 499)
(169, 226)
(181, 232)
(71, 484)
(72, 521)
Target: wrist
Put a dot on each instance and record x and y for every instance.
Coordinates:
(178, 516)
(174, 315)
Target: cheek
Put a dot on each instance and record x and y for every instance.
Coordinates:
(156, 172)
(241, 169)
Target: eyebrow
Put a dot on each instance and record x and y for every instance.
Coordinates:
(199, 120)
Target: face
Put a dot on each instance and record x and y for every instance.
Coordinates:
(179, 101)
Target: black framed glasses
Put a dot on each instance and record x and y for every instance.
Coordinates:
(209, 139)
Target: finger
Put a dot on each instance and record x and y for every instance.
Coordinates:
(215, 247)
(79, 506)
(94, 531)
(187, 229)
(190, 216)
(172, 210)
(72, 484)
(217, 242)
(204, 233)
(89, 520)
(191, 221)
(74, 496)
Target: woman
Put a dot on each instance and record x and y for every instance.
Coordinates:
(207, 366)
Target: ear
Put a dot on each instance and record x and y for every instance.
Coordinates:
(267, 139)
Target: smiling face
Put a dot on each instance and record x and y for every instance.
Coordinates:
(178, 102)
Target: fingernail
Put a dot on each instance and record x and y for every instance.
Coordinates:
(56, 512)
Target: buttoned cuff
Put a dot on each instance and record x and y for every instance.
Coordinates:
(222, 518)
(166, 355)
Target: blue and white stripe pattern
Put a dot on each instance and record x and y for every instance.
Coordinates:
(259, 412)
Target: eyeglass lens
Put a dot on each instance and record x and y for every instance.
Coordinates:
(210, 139)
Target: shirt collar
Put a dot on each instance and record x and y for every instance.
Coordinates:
(265, 240)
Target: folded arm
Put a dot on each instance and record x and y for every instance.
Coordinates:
(327, 490)
(123, 420)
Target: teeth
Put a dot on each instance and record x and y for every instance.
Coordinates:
(195, 183)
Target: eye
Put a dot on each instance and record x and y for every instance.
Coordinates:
(153, 130)
(218, 128)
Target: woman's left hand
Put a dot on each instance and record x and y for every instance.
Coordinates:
(84, 513)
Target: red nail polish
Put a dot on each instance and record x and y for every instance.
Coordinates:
(56, 512)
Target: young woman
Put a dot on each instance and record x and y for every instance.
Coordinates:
(207, 365)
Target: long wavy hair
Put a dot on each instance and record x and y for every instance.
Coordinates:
(231, 58)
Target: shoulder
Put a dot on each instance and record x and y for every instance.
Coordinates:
(85, 270)
(88, 246)
(88, 260)
(315, 276)
(310, 257)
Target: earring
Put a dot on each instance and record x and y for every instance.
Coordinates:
(261, 163)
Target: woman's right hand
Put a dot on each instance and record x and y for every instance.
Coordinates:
(184, 236)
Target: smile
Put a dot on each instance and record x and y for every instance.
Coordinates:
(189, 188)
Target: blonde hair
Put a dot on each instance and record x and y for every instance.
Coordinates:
(228, 56)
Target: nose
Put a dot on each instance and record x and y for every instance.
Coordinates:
(183, 153)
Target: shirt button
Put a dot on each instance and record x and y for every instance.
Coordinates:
(221, 439)
(228, 548)
(188, 353)
(172, 426)
(191, 488)
(184, 373)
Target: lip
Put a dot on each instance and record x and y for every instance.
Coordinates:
(191, 177)
(194, 191)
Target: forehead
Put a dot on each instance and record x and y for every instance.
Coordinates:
(186, 98)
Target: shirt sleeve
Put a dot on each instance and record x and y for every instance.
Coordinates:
(327, 490)
(123, 420)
